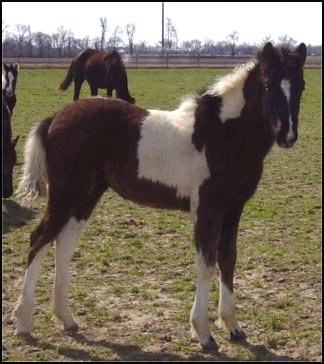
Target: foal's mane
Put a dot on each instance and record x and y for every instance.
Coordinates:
(229, 82)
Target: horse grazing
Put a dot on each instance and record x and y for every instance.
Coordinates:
(9, 82)
(101, 70)
(205, 157)
(9, 156)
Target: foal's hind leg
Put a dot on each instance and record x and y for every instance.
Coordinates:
(25, 304)
(40, 240)
(65, 244)
(226, 261)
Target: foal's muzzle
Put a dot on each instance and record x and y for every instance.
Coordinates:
(286, 141)
(9, 93)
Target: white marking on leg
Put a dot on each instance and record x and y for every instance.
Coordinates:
(166, 153)
(285, 86)
(199, 313)
(65, 244)
(25, 304)
(226, 310)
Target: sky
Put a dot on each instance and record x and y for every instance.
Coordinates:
(301, 21)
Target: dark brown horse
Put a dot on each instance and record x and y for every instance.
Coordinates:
(206, 158)
(101, 70)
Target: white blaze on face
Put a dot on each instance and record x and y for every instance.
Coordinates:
(285, 86)
(9, 90)
(166, 153)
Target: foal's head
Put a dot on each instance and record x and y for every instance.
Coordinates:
(282, 71)
(10, 79)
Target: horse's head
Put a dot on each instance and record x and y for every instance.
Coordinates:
(282, 72)
(118, 76)
(10, 79)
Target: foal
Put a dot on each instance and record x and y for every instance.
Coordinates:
(206, 157)
(9, 82)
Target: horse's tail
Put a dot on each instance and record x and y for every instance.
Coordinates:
(68, 79)
(32, 184)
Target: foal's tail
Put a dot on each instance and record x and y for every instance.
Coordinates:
(68, 79)
(32, 184)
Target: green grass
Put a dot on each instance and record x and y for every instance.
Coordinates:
(133, 277)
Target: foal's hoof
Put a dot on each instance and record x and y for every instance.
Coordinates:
(237, 334)
(210, 345)
(73, 328)
(23, 334)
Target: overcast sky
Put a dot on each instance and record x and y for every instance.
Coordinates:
(301, 21)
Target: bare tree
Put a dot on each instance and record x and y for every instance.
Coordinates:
(41, 41)
(116, 39)
(284, 40)
(130, 30)
(104, 29)
(70, 41)
(59, 40)
(171, 40)
(4, 27)
(232, 39)
(266, 40)
(22, 32)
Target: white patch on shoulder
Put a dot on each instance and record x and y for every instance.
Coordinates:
(230, 89)
(166, 153)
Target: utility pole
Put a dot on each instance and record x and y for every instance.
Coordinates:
(162, 43)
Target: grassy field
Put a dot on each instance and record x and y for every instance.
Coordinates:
(133, 277)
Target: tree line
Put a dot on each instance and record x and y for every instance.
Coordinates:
(22, 42)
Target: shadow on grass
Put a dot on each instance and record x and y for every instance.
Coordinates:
(261, 353)
(126, 352)
(15, 215)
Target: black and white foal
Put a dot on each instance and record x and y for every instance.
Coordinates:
(205, 157)
(9, 82)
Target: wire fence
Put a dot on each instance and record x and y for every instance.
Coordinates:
(154, 60)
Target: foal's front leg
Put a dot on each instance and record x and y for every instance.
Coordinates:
(199, 313)
(226, 260)
(207, 230)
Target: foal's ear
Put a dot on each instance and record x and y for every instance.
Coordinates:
(17, 66)
(268, 54)
(302, 52)
(6, 67)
